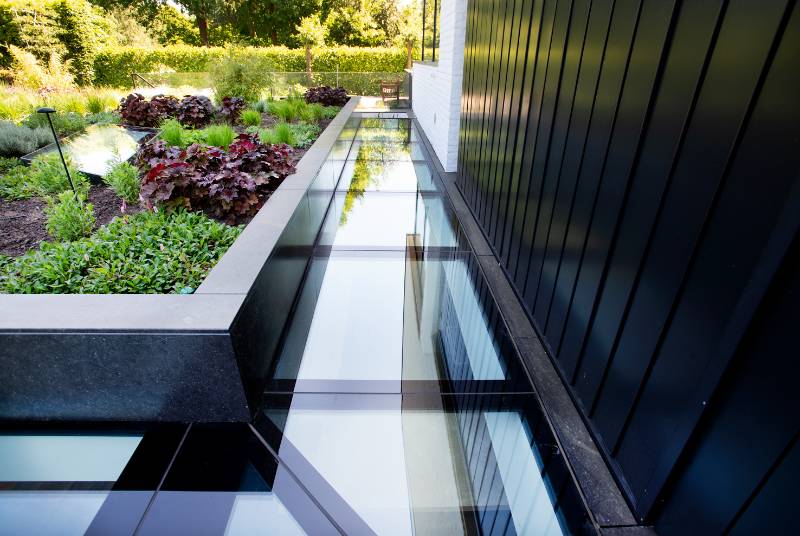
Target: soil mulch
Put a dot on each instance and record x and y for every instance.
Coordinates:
(23, 222)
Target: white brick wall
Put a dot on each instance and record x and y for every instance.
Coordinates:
(436, 92)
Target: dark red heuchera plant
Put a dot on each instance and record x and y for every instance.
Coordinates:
(327, 96)
(228, 185)
(136, 110)
(230, 108)
(195, 111)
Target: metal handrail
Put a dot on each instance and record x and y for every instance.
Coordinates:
(134, 76)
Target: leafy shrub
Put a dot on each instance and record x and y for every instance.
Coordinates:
(32, 25)
(20, 140)
(195, 111)
(84, 28)
(240, 74)
(113, 64)
(251, 118)
(69, 218)
(230, 109)
(46, 176)
(144, 253)
(136, 110)
(219, 135)
(327, 96)
(123, 178)
(229, 185)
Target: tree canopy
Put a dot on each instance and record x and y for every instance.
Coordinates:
(265, 22)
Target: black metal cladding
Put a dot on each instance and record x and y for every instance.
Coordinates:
(634, 165)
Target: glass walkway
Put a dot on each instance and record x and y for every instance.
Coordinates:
(396, 403)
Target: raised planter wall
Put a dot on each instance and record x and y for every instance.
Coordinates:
(200, 357)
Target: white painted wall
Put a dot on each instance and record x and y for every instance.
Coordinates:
(436, 89)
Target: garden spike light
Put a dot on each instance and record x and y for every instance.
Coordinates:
(47, 112)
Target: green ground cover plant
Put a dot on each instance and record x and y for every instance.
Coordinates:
(44, 177)
(69, 216)
(143, 253)
(123, 178)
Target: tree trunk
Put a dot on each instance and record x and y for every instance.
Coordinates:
(202, 26)
(274, 33)
(308, 66)
(410, 50)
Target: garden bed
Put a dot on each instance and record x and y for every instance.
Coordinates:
(167, 357)
(221, 162)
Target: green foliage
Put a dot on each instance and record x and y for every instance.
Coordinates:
(69, 29)
(287, 110)
(98, 103)
(14, 182)
(46, 176)
(113, 65)
(251, 118)
(64, 123)
(173, 133)
(312, 112)
(28, 72)
(219, 135)
(261, 106)
(70, 217)
(20, 140)
(297, 135)
(31, 25)
(310, 32)
(123, 178)
(103, 118)
(144, 253)
(7, 164)
(354, 27)
(83, 28)
(129, 30)
(16, 103)
(171, 27)
(239, 74)
(177, 135)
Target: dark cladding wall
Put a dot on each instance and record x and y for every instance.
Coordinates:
(635, 167)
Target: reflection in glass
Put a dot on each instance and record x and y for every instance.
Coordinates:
(386, 220)
(391, 322)
(225, 481)
(57, 484)
(97, 149)
(430, 464)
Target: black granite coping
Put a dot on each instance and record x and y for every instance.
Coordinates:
(178, 358)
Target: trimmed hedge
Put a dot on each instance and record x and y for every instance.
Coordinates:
(113, 65)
